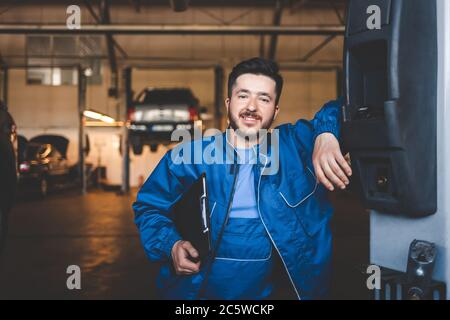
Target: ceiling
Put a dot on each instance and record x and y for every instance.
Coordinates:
(293, 4)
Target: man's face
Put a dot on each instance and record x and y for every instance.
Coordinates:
(252, 104)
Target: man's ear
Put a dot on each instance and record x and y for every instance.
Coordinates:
(227, 104)
(277, 109)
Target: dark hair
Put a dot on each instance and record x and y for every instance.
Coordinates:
(258, 66)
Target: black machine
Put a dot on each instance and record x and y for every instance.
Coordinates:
(389, 118)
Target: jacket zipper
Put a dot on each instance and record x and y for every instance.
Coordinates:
(262, 220)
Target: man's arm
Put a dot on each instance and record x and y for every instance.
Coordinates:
(153, 207)
(331, 169)
(328, 119)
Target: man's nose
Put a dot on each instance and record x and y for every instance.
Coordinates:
(252, 105)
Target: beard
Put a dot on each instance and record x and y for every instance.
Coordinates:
(250, 134)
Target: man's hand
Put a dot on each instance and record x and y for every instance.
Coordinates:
(181, 251)
(329, 163)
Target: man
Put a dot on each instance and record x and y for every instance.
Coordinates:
(272, 223)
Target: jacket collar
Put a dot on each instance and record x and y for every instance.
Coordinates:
(261, 150)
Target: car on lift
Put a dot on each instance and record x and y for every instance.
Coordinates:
(8, 168)
(157, 112)
(44, 164)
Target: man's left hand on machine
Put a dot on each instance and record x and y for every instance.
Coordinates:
(330, 166)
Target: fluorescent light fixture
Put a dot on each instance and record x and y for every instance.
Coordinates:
(107, 119)
(98, 116)
(92, 114)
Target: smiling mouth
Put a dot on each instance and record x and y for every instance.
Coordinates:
(250, 118)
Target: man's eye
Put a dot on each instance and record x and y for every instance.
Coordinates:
(242, 97)
(265, 100)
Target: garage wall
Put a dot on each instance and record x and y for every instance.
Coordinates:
(304, 93)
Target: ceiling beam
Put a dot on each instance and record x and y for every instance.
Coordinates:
(317, 48)
(193, 3)
(340, 17)
(305, 30)
(99, 21)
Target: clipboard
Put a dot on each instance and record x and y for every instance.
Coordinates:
(191, 217)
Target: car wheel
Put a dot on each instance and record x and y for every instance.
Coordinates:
(153, 147)
(137, 148)
(43, 187)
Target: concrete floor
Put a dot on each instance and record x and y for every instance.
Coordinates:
(97, 233)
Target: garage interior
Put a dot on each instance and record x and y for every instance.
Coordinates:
(50, 77)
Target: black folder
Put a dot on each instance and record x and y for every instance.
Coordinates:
(191, 217)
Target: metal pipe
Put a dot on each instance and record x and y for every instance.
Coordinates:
(34, 66)
(287, 65)
(128, 102)
(175, 29)
(174, 63)
(81, 137)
